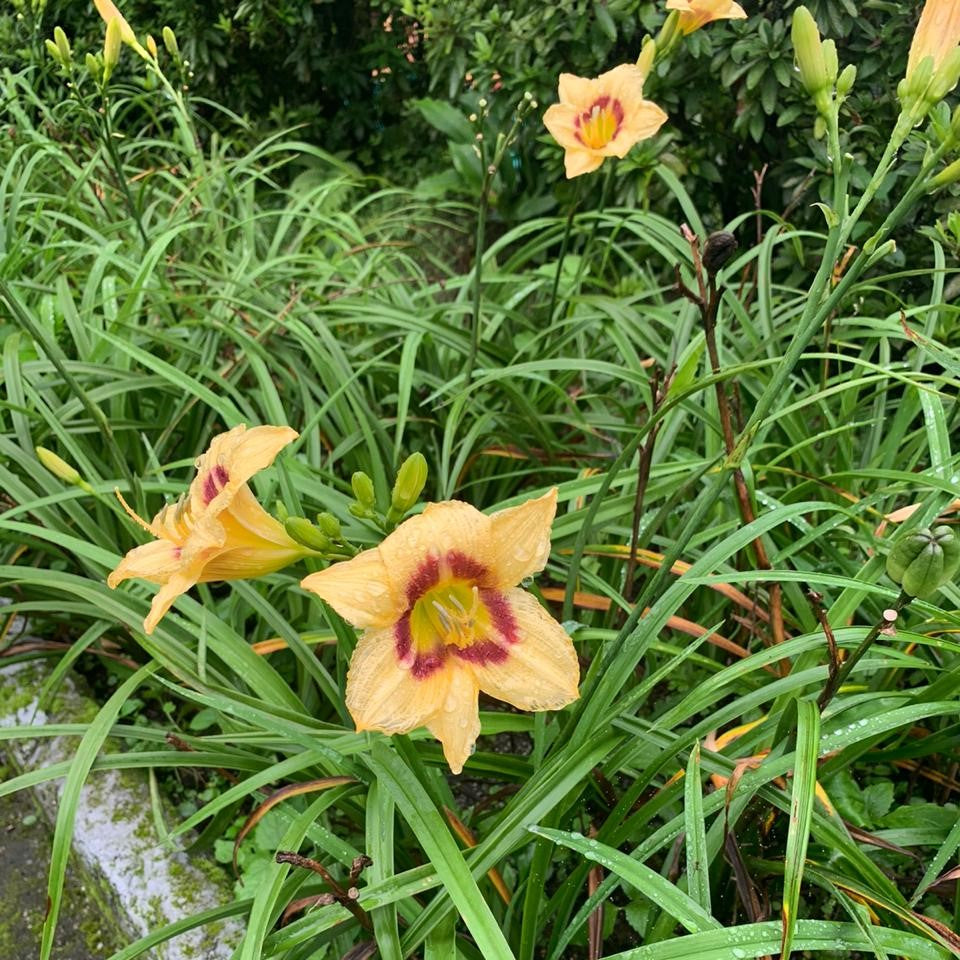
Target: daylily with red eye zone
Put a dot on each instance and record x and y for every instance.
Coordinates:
(217, 530)
(601, 117)
(444, 619)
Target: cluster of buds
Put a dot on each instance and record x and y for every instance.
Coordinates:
(819, 67)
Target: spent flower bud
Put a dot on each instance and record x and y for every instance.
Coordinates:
(721, 245)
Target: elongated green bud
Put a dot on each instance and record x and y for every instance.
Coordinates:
(94, 66)
(363, 490)
(830, 62)
(945, 177)
(411, 479)
(846, 80)
(306, 534)
(63, 45)
(111, 47)
(58, 466)
(330, 525)
(647, 56)
(151, 46)
(924, 560)
(808, 50)
(54, 51)
(170, 42)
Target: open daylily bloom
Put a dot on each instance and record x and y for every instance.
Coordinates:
(217, 530)
(695, 14)
(601, 117)
(443, 619)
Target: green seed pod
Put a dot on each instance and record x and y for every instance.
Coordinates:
(411, 479)
(305, 533)
(923, 561)
(363, 490)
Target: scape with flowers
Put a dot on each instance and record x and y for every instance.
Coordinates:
(582, 589)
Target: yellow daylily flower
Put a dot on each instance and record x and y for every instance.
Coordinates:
(217, 530)
(695, 14)
(937, 34)
(444, 619)
(601, 117)
(108, 11)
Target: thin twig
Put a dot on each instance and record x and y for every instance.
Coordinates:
(346, 898)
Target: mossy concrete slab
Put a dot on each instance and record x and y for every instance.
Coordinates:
(139, 884)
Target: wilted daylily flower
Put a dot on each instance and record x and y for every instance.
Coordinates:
(695, 14)
(443, 619)
(217, 530)
(601, 117)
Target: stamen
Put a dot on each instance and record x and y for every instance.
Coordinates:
(443, 614)
(455, 600)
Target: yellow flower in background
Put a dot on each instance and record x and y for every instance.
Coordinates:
(601, 117)
(444, 619)
(217, 530)
(695, 14)
(937, 34)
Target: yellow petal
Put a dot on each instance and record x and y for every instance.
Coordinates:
(541, 671)
(247, 563)
(520, 539)
(359, 590)
(247, 522)
(456, 724)
(560, 121)
(156, 561)
(449, 538)
(231, 460)
(640, 123)
(580, 161)
(384, 695)
(576, 90)
(179, 583)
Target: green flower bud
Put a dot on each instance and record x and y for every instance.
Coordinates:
(58, 466)
(363, 490)
(54, 51)
(306, 534)
(830, 62)
(280, 511)
(808, 50)
(111, 47)
(94, 67)
(411, 479)
(846, 80)
(170, 42)
(151, 46)
(63, 45)
(924, 560)
(945, 177)
(648, 54)
(330, 525)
